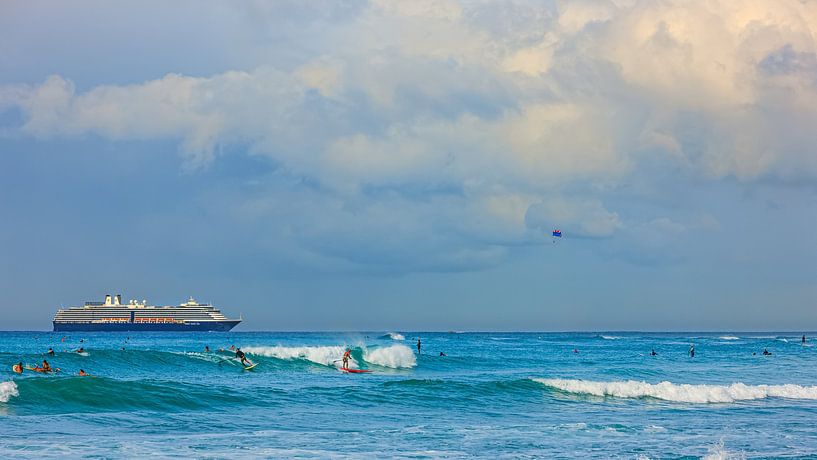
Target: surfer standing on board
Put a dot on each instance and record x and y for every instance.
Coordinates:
(346, 356)
(418, 345)
(240, 355)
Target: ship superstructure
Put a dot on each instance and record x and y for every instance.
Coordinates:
(113, 315)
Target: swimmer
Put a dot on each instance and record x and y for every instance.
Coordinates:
(83, 373)
(50, 352)
(206, 349)
(766, 352)
(442, 354)
(653, 353)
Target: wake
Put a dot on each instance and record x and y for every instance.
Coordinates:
(687, 393)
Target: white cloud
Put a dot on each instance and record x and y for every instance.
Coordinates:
(507, 110)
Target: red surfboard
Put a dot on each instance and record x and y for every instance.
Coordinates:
(355, 371)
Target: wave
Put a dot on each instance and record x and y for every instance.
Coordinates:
(687, 393)
(7, 390)
(395, 357)
(729, 337)
(394, 336)
(323, 355)
(610, 337)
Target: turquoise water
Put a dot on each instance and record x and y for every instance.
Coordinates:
(493, 395)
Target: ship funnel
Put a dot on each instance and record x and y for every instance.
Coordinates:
(118, 300)
(107, 299)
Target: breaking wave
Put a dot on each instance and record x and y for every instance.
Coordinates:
(610, 337)
(394, 336)
(323, 355)
(395, 356)
(682, 392)
(729, 337)
(7, 390)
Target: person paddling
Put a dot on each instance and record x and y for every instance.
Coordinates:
(346, 355)
(83, 373)
(46, 367)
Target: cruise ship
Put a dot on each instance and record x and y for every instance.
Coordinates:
(113, 315)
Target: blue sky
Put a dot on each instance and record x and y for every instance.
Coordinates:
(400, 165)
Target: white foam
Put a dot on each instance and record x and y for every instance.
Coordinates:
(729, 337)
(610, 337)
(325, 355)
(394, 356)
(396, 336)
(682, 392)
(718, 452)
(7, 390)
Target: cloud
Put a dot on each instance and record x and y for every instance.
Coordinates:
(483, 125)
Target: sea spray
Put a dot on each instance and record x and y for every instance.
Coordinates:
(324, 355)
(687, 393)
(394, 356)
(7, 390)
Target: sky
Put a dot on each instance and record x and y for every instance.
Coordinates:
(394, 165)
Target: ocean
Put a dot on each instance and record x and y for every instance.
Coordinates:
(493, 395)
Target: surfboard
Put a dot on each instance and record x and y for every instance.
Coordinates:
(246, 368)
(355, 371)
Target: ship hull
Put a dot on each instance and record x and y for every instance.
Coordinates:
(193, 326)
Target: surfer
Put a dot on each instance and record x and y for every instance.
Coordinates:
(692, 351)
(804, 339)
(206, 349)
(83, 373)
(240, 355)
(442, 354)
(346, 355)
(766, 352)
(50, 352)
(653, 353)
(18, 368)
(80, 350)
(418, 345)
(46, 367)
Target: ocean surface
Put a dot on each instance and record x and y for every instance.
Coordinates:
(494, 395)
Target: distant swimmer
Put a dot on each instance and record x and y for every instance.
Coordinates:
(206, 349)
(232, 347)
(418, 345)
(83, 373)
(766, 352)
(17, 368)
(62, 339)
(442, 354)
(575, 350)
(653, 353)
(346, 355)
(804, 340)
(50, 352)
(692, 351)
(240, 355)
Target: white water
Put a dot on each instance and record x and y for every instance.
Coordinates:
(325, 355)
(610, 337)
(395, 356)
(729, 337)
(7, 390)
(396, 336)
(682, 392)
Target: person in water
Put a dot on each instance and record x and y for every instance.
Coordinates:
(653, 353)
(240, 355)
(206, 349)
(232, 347)
(82, 373)
(80, 350)
(18, 368)
(418, 345)
(50, 352)
(804, 339)
(692, 351)
(46, 367)
(766, 352)
(442, 354)
(346, 355)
